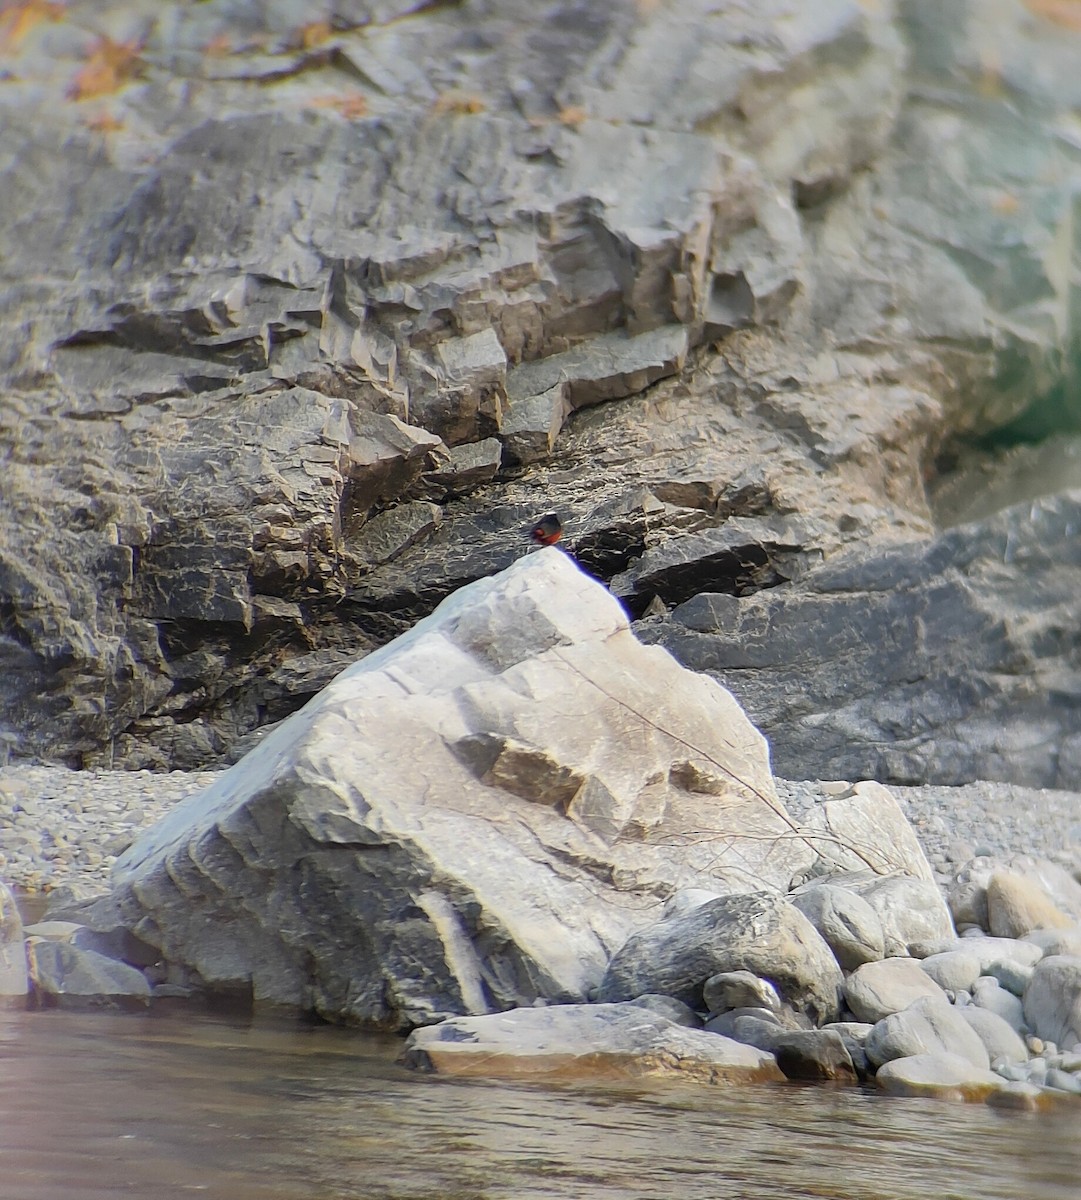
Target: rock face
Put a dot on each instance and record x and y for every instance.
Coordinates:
(936, 661)
(475, 817)
(346, 303)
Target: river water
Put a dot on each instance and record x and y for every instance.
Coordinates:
(97, 1106)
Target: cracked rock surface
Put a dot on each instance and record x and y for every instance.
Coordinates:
(304, 321)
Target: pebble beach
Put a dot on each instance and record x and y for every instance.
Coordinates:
(59, 826)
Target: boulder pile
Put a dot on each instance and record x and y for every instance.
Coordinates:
(545, 848)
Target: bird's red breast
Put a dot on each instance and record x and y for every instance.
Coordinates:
(547, 531)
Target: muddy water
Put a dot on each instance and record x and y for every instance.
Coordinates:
(95, 1107)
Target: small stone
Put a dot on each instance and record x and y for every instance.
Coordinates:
(1062, 1081)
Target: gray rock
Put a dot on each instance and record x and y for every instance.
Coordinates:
(845, 920)
(13, 977)
(987, 994)
(927, 1026)
(950, 1077)
(1062, 1081)
(1011, 975)
(60, 973)
(877, 989)
(863, 828)
(1052, 1000)
(584, 1042)
(988, 951)
(909, 910)
(758, 932)
(116, 943)
(1048, 942)
(955, 970)
(739, 989)
(481, 840)
(672, 1009)
(814, 1054)
(1002, 1042)
(533, 422)
(394, 530)
(854, 1035)
(753, 1026)
(466, 467)
(977, 716)
(748, 551)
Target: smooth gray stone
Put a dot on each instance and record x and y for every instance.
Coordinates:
(69, 976)
(758, 932)
(1052, 1000)
(988, 994)
(739, 989)
(928, 1026)
(575, 1041)
(848, 923)
(953, 970)
(878, 989)
(1011, 975)
(1062, 1081)
(1002, 1041)
(952, 1077)
(745, 1025)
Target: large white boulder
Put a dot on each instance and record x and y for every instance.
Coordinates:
(473, 817)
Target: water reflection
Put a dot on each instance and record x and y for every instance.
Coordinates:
(97, 1106)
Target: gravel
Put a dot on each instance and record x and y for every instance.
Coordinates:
(62, 826)
(59, 826)
(995, 820)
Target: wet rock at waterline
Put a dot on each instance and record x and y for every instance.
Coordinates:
(950, 1077)
(63, 974)
(588, 1043)
(475, 817)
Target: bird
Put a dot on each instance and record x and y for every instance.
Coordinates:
(547, 531)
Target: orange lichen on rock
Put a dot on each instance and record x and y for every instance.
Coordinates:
(458, 102)
(17, 20)
(315, 33)
(351, 106)
(103, 122)
(109, 66)
(1066, 13)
